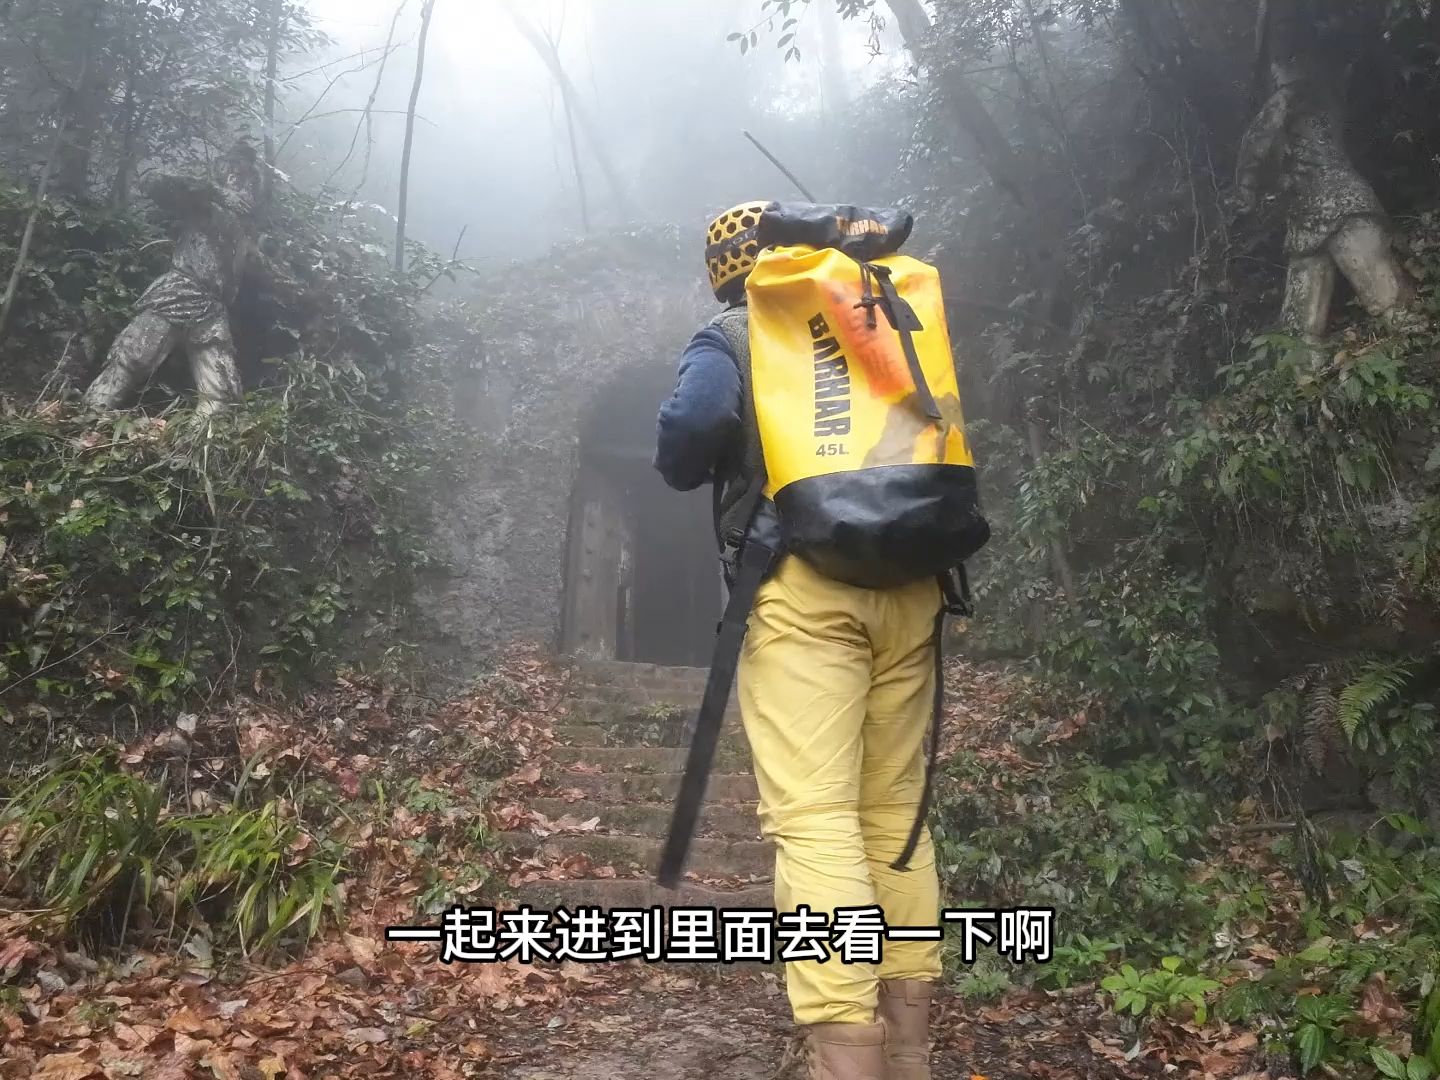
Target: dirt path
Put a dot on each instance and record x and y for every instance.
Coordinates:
(603, 803)
(737, 1027)
(591, 763)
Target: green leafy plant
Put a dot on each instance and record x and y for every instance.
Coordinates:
(1159, 992)
(422, 800)
(984, 981)
(1393, 1067)
(91, 837)
(243, 862)
(96, 842)
(1318, 1034)
(1077, 959)
(1428, 1025)
(1374, 684)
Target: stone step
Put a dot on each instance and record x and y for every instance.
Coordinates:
(640, 693)
(659, 787)
(636, 893)
(671, 736)
(709, 856)
(641, 697)
(619, 672)
(663, 736)
(638, 759)
(615, 710)
(737, 822)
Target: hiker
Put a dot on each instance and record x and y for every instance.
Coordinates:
(188, 304)
(836, 684)
(1335, 220)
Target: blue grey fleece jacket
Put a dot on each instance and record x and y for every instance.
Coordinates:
(699, 426)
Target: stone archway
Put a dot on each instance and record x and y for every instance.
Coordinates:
(641, 579)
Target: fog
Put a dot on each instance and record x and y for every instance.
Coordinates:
(668, 93)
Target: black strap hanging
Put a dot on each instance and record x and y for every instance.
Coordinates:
(717, 502)
(955, 590)
(905, 322)
(755, 563)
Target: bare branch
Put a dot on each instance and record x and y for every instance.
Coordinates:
(366, 120)
(402, 209)
(272, 61)
(310, 112)
(552, 60)
(22, 256)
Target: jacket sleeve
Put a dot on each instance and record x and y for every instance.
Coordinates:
(699, 425)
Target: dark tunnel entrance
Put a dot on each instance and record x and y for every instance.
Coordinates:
(641, 579)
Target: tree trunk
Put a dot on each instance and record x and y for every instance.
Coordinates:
(554, 47)
(85, 104)
(125, 166)
(579, 170)
(832, 64)
(546, 49)
(1264, 47)
(272, 62)
(1169, 48)
(996, 154)
(1290, 28)
(23, 254)
(425, 16)
(1059, 560)
(913, 20)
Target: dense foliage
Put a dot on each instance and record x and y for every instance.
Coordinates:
(102, 89)
(1215, 543)
(1217, 546)
(154, 560)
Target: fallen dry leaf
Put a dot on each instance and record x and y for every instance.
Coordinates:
(1379, 1007)
(14, 952)
(186, 1022)
(65, 1067)
(365, 950)
(223, 1066)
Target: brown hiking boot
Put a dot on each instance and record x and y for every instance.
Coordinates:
(905, 1015)
(846, 1051)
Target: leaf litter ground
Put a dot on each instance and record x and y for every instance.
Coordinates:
(352, 1006)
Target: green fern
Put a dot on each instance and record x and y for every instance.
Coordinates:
(1321, 729)
(1375, 683)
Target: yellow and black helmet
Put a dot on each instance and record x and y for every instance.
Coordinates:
(733, 249)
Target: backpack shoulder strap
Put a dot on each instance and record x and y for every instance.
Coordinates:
(735, 325)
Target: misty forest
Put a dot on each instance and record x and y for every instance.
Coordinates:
(338, 586)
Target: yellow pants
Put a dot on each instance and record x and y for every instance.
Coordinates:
(836, 688)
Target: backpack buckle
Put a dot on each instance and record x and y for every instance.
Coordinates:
(868, 300)
(955, 587)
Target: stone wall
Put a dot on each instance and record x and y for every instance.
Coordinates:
(532, 349)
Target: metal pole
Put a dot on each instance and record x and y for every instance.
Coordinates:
(777, 163)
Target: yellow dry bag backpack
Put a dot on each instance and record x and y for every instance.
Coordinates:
(866, 473)
(857, 400)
